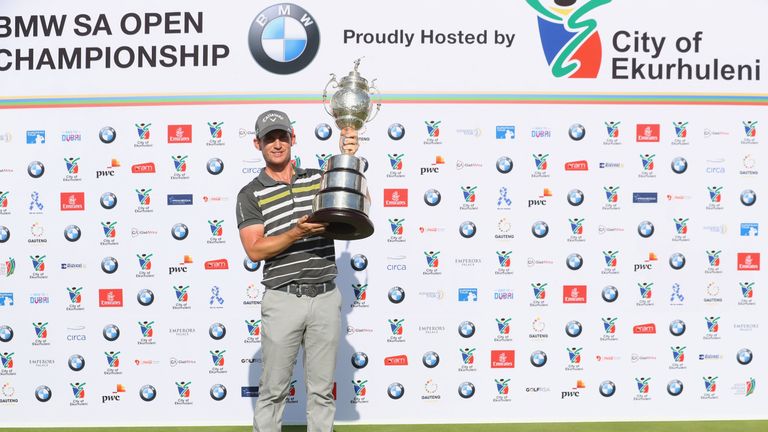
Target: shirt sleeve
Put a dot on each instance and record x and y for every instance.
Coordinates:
(248, 211)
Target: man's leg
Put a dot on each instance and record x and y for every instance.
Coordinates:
(282, 326)
(321, 342)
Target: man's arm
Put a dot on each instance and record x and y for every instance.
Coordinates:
(258, 247)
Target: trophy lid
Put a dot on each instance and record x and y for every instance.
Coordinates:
(354, 79)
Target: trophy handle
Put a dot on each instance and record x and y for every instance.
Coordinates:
(374, 92)
(325, 92)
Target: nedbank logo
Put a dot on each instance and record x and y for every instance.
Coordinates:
(570, 41)
(284, 38)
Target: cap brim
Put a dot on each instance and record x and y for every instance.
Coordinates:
(270, 128)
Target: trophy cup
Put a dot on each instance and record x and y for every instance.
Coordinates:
(343, 201)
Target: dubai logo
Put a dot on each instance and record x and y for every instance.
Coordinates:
(570, 41)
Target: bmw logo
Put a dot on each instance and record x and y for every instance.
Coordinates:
(147, 393)
(504, 165)
(284, 38)
(359, 262)
(72, 233)
(323, 131)
(214, 166)
(43, 393)
(744, 356)
(575, 197)
(645, 229)
(109, 265)
(467, 329)
(76, 362)
(573, 328)
(679, 165)
(540, 229)
(675, 387)
(574, 261)
(395, 390)
(365, 163)
(5, 234)
(218, 392)
(35, 169)
(610, 294)
(466, 390)
(607, 388)
(677, 261)
(576, 132)
(145, 297)
(748, 197)
(111, 332)
(217, 331)
(430, 359)
(251, 266)
(6, 333)
(677, 327)
(359, 360)
(396, 131)
(538, 358)
(180, 231)
(396, 295)
(467, 229)
(107, 135)
(108, 200)
(432, 197)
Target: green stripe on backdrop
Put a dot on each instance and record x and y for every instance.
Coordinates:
(699, 426)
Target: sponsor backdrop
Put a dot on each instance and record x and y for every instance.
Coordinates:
(567, 199)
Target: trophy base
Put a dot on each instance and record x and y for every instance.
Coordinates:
(343, 224)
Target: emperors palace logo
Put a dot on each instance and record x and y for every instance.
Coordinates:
(570, 42)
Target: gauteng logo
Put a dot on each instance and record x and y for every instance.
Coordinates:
(570, 41)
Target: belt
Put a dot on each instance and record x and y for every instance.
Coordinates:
(307, 289)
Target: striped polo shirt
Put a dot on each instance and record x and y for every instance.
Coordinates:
(278, 206)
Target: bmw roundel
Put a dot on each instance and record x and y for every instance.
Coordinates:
(744, 356)
(180, 231)
(430, 359)
(432, 197)
(76, 362)
(218, 392)
(538, 358)
(573, 328)
(72, 233)
(43, 393)
(396, 295)
(467, 229)
(645, 229)
(147, 393)
(607, 388)
(215, 166)
(284, 38)
(504, 165)
(395, 390)
(359, 360)
(574, 261)
(396, 131)
(145, 297)
(677, 327)
(107, 134)
(251, 266)
(217, 331)
(323, 131)
(679, 165)
(109, 265)
(108, 200)
(5, 234)
(467, 329)
(576, 132)
(466, 390)
(6, 333)
(35, 169)
(111, 332)
(575, 197)
(748, 197)
(359, 262)
(675, 387)
(610, 294)
(540, 229)
(677, 261)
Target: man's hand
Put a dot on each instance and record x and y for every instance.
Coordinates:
(304, 229)
(348, 141)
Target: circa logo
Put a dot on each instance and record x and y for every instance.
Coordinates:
(284, 38)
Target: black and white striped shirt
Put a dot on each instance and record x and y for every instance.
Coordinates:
(278, 206)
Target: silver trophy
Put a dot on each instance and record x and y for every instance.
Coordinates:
(343, 201)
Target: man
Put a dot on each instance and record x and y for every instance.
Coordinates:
(301, 305)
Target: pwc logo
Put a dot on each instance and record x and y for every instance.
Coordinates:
(570, 41)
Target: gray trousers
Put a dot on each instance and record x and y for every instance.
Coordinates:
(288, 322)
